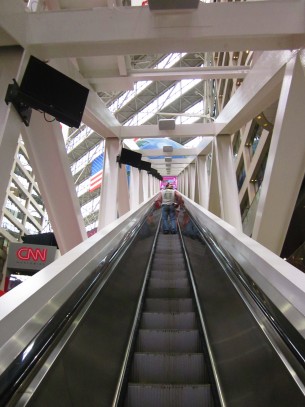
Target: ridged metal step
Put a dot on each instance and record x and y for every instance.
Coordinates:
(169, 305)
(168, 283)
(161, 340)
(160, 395)
(168, 368)
(168, 320)
(169, 292)
(164, 275)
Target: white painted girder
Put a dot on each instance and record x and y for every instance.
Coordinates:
(135, 30)
(285, 167)
(10, 122)
(258, 91)
(108, 210)
(181, 130)
(177, 74)
(47, 153)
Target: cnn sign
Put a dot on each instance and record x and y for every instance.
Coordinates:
(22, 256)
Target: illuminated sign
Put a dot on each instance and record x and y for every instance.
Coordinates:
(23, 256)
(29, 254)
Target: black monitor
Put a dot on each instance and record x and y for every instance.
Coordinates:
(46, 89)
(145, 165)
(129, 157)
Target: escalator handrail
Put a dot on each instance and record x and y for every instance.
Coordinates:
(290, 336)
(19, 369)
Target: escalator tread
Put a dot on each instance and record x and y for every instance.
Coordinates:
(168, 367)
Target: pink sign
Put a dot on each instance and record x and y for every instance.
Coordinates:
(171, 180)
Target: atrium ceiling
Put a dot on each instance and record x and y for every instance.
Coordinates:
(143, 66)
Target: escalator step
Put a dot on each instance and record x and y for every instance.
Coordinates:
(181, 320)
(150, 395)
(172, 341)
(173, 283)
(173, 263)
(168, 305)
(168, 274)
(168, 292)
(168, 368)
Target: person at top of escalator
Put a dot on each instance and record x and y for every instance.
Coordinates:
(169, 199)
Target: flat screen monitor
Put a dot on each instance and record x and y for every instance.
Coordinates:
(130, 157)
(44, 88)
(145, 165)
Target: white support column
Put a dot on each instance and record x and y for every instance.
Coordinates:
(286, 162)
(157, 185)
(192, 181)
(123, 192)
(182, 187)
(48, 157)
(10, 122)
(141, 195)
(149, 190)
(109, 192)
(214, 197)
(202, 181)
(186, 182)
(134, 187)
(145, 185)
(229, 201)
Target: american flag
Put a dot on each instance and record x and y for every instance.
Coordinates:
(96, 173)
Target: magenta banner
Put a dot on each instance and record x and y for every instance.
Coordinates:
(170, 179)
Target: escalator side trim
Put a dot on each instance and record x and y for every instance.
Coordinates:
(237, 275)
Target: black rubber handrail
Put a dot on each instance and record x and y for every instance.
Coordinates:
(290, 336)
(20, 368)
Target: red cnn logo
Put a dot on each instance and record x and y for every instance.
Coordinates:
(27, 253)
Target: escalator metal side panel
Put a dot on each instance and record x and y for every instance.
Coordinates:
(86, 371)
(250, 372)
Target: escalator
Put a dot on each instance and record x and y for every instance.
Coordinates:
(167, 324)
(168, 366)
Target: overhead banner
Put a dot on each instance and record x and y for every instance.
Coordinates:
(30, 257)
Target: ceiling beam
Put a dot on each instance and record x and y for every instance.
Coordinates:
(181, 130)
(135, 30)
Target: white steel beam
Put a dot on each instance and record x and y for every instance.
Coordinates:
(192, 181)
(109, 191)
(47, 153)
(177, 74)
(202, 181)
(123, 198)
(135, 30)
(258, 91)
(134, 189)
(229, 202)
(181, 130)
(214, 196)
(10, 122)
(285, 167)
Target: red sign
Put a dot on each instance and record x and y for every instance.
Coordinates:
(23, 256)
(27, 253)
